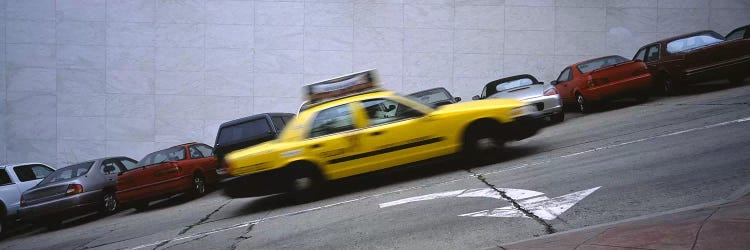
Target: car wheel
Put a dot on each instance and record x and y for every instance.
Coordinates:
(642, 97)
(3, 228)
(198, 186)
(109, 204)
(558, 118)
(306, 183)
(480, 145)
(669, 87)
(583, 104)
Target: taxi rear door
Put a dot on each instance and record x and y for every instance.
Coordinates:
(334, 138)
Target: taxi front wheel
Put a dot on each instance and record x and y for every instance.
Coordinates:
(306, 183)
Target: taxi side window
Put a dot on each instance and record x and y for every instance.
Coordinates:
(381, 111)
(332, 120)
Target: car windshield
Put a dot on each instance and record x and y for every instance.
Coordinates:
(513, 84)
(175, 153)
(688, 43)
(599, 63)
(243, 131)
(430, 97)
(67, 173)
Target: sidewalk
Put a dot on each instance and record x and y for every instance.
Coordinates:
(720, 225)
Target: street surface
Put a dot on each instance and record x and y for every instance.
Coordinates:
(631, 159)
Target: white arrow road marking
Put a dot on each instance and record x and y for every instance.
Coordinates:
(533, 201)
(543, 207)
(477, 192)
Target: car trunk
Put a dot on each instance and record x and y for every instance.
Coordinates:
(615, 73)
(47, 193)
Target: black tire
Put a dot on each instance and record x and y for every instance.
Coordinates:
(3, 228)
(583, 105)
(669, 87)
(558, 118)
(642, 97)
(481, 144)
(109, 204)
(306, 183)
(198, 186)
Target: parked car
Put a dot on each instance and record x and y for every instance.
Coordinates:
(185, 168)
(695, 57)
(434, 97)
(247, 132)
(75, 190)
(14, 180)
(739, 33)
(527, 89)
(586, 83)
(366, 131)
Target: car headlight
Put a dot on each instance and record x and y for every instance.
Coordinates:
(521, 111)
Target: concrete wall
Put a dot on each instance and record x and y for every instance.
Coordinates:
(87, 78)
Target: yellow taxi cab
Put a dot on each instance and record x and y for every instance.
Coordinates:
(350, 126)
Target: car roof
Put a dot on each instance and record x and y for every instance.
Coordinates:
(252, 117)
(442, 88)
(598, 58)
(686, 35)
(22, 164)
(348, 99)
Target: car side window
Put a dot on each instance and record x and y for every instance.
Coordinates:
(287, 119)
(4, 178)
(332, 120)
(110, 167)
(206, 151)
(653, 53)
(32, 172)
(278, 123)
(194, 152)
(128, 164)
(381, 111)
(564, 75)
(736, 35)
(641, 55)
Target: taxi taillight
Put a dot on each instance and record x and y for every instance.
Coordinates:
(74, 189)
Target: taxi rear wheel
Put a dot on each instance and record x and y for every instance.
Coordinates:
(306, 183)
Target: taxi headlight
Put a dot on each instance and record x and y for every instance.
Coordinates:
(521, 111)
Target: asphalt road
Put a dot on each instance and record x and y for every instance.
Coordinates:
(630, 159)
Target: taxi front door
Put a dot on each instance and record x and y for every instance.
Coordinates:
(334, 139)
(396, 134)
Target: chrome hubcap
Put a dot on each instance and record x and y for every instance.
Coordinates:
(484, 144)
(110, 203)
(581, 102)
(302, 183)
(199, 187)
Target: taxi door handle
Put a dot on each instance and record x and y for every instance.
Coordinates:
(316, 145)
(376, 133)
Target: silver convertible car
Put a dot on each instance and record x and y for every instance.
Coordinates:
(74, 190)
(527, 89)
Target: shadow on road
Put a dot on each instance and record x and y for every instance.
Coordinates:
(379, 179)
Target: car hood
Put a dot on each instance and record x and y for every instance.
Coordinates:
(521, 93)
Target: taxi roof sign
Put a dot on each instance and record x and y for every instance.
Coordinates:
(342, 86)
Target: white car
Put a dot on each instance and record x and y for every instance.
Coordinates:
(528, 89)
(14, 180)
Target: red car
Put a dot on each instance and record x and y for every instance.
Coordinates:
(604, 78)
(182, 168)
(696, 57)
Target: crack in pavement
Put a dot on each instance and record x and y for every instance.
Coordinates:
(183, 243)
(547, 227)
(183, 231)
(205, 218)
(242, 237)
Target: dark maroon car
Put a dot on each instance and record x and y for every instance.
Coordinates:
(695, 57)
